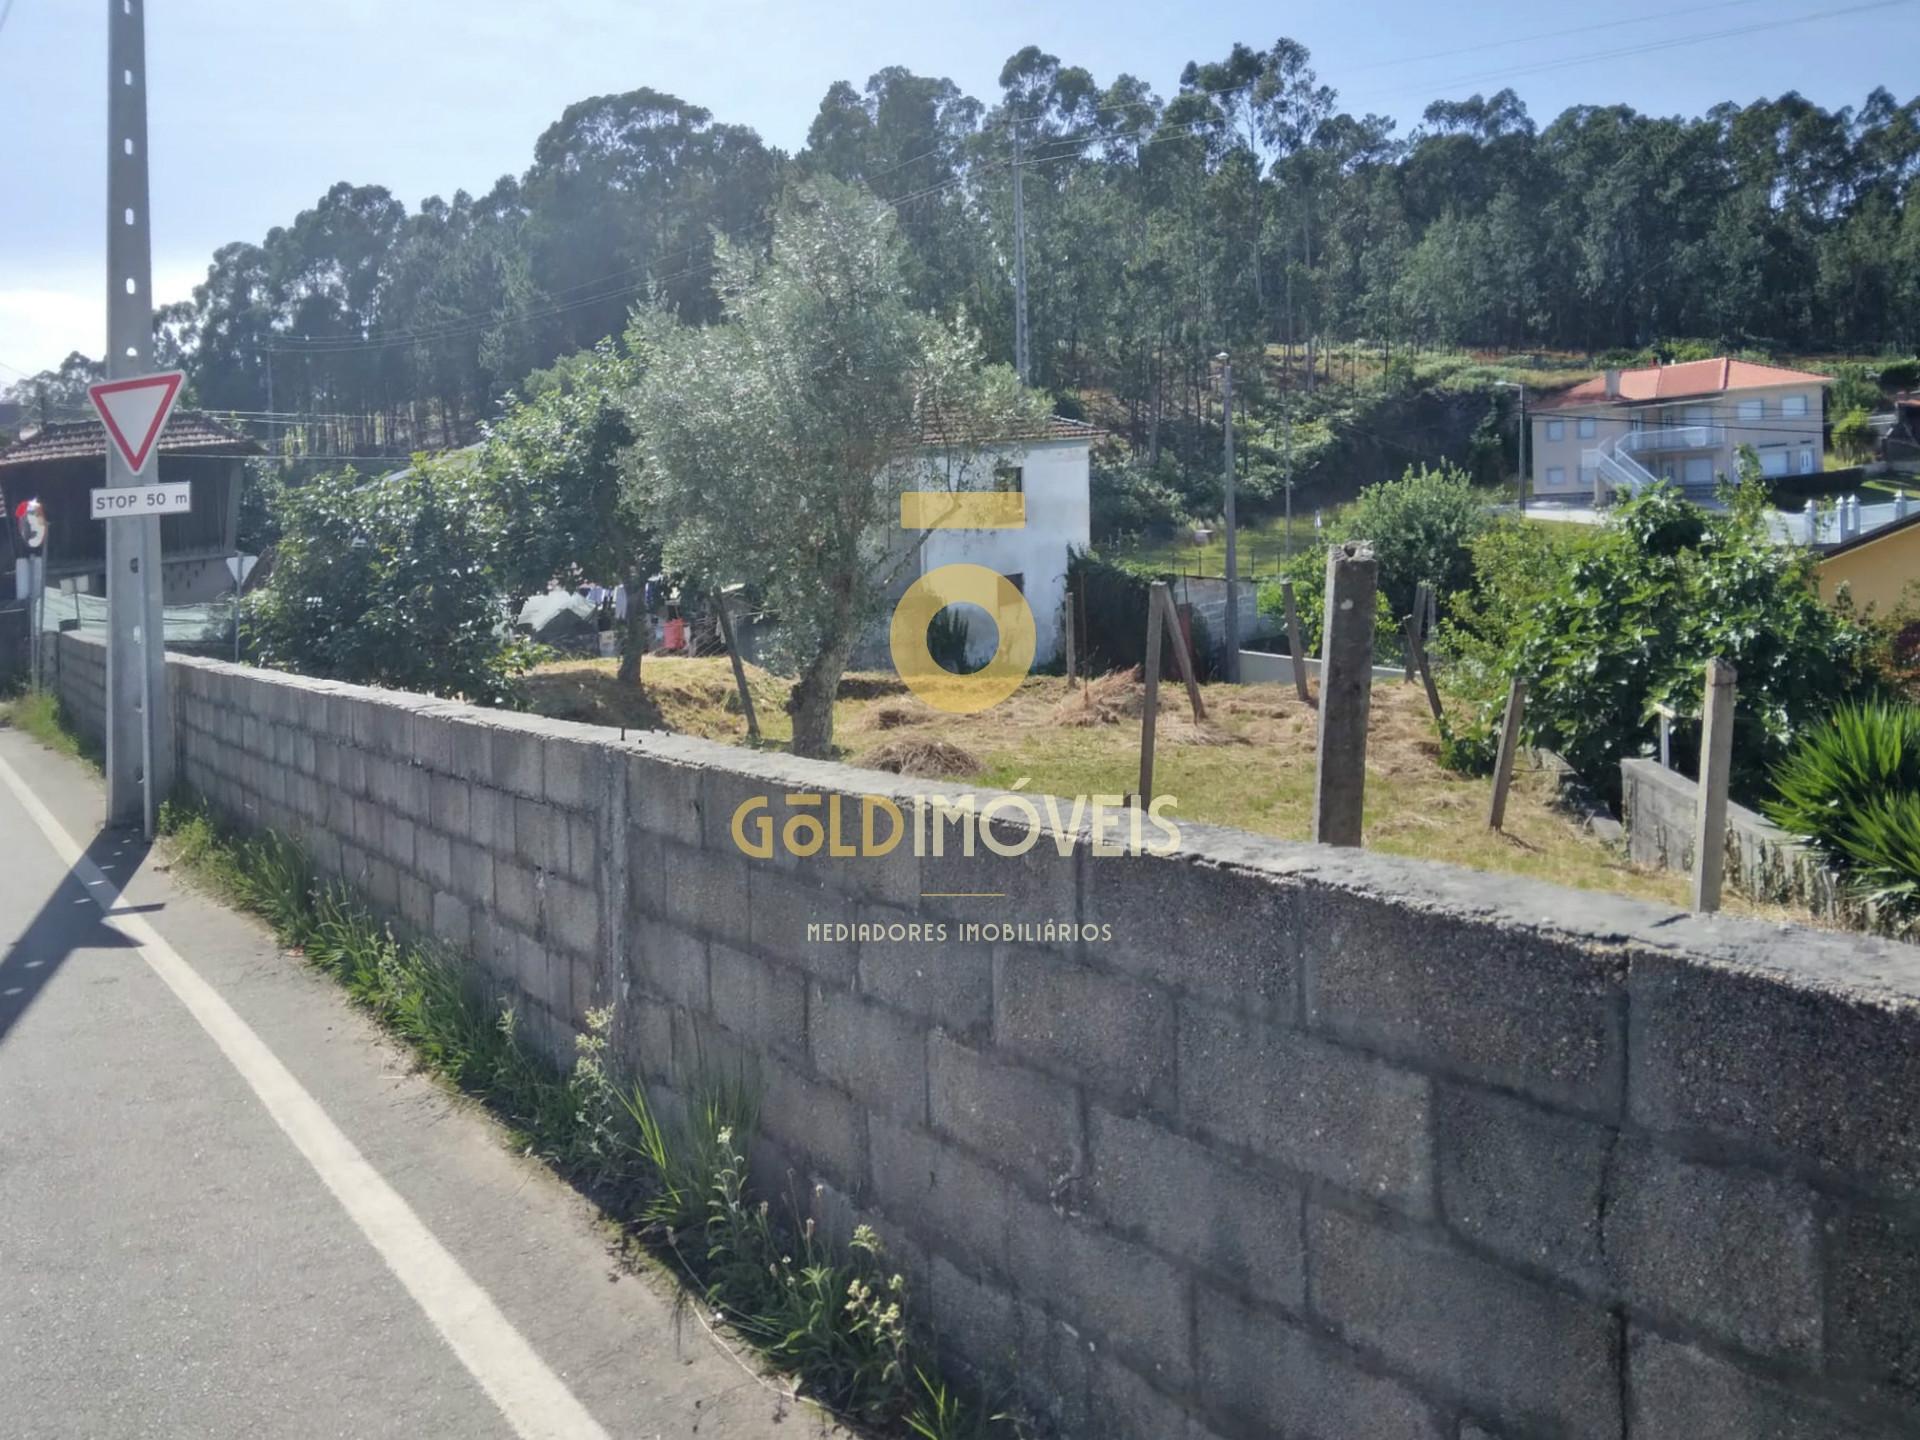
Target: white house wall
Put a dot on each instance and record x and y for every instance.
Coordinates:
(1055, 478)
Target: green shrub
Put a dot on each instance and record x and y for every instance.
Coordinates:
(1854, 388)
(1608, 627)
(1851, 787)
(1133, 498)
(1422, 528)
(1853, 437)
(1307, 569)
(391, 581)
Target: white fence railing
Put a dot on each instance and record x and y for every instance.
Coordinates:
(1673, 437)
(1613, 471)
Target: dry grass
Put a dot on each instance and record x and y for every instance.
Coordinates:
(928, 758)
(1249, 764)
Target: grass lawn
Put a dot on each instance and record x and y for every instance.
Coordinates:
(1263, 545)
(1250, 765)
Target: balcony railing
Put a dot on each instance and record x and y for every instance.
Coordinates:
(1674, 437)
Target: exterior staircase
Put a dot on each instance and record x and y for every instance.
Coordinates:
(1615, 465)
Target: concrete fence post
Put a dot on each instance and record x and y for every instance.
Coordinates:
(1509, 747)
(1716, 758)
(1149, 712)
(1346, 693)
(1294, 647)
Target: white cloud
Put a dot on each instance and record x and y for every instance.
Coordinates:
(40, 325)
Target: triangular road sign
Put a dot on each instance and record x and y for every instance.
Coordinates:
(135, 412)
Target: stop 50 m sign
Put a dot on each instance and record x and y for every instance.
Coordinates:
(174, 499)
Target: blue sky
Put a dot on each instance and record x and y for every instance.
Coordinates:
(256, 106)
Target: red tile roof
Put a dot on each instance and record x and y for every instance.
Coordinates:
(87, 440)
(1676, 382)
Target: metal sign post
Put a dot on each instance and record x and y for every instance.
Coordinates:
(139, 730)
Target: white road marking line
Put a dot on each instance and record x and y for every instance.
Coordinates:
(535, 1402)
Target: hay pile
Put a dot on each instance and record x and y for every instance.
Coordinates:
(1120, 698)
(924, 756)
(1104, 700)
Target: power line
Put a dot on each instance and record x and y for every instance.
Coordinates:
(1650, 46)
(329, 345)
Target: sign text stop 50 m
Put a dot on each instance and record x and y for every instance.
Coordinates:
(171, 499)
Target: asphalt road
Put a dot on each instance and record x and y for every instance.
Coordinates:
(230, 1207)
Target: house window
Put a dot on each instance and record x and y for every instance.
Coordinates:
(1556, 475)
(1753, 409)
(1773, 460)
(1556, 429)
(1011, 479)
(1586, 428)
(1794, 405)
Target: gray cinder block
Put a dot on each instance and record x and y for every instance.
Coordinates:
(1243, 1227)
(1024, 1121)
(1114, 1032)
(1734, 1253)
(875, 1054)
(1545, 1358)
(1474, 996)
(1313, 1107)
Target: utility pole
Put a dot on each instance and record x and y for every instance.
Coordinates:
(139, 731)
(1286, 464)
(1020, 355)
(1233, 550)
(1522, 486)
(1523, 448)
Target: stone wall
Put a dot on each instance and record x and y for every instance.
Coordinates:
(1318, 1143)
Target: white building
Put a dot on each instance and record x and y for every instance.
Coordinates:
(1051, 470)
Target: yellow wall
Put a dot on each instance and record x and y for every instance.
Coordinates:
(1877, 572)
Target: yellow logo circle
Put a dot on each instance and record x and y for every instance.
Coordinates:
(926, 676)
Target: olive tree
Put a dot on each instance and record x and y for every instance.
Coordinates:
(772, 448)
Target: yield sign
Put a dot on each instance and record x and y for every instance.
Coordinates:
(135, 412)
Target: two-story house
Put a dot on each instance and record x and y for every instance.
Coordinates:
(1625, 429)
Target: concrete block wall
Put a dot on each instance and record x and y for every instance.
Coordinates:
(1298, 1142)
(1659, 810)
(79, 675)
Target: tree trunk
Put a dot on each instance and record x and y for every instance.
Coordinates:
(811, 702)
(635, 634)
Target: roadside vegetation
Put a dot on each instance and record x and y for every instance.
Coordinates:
(40, 714)
(839, 1321)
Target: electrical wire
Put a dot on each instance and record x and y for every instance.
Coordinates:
(342, 345)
